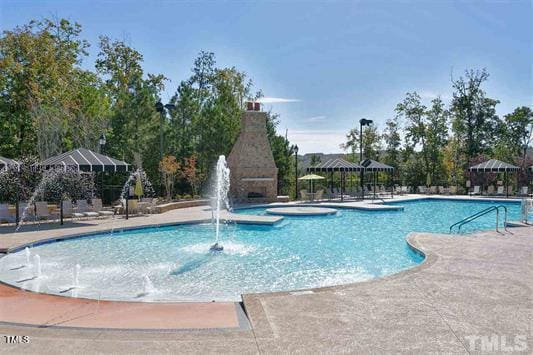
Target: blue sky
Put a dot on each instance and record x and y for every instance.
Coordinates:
(336, 61)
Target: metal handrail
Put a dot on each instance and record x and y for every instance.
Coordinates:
(482, 213)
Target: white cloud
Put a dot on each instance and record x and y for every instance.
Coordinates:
(275, 100)
(318, 141)
(315, 118)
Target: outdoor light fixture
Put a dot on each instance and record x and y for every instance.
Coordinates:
(362, 122)
(159, 107)
(366, 163)
(102, 140)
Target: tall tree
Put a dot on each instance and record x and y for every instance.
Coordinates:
(519, 125)
(134, 123)
(371, 142)
(436, 138)
(38, 64)
(474, 115)
(392, 139)
(425, 128)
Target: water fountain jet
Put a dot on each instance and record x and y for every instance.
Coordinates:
(37, 263)
(148, 287)
(76, 275)
(221, 193)
(28, 256)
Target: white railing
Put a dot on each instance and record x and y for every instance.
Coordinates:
(527, 208)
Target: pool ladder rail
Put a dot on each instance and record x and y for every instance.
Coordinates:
(475, 216)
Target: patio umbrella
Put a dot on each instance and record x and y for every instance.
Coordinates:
(311, 177)
(138, 187)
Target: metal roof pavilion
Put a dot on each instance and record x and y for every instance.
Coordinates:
(84, 160)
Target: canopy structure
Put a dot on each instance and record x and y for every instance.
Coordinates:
(333, 165)
(84, 160)
(494, 166)
(336, 165)
(6, 163)
(372, 165)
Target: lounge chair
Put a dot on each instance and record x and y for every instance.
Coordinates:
(5, 216)
(319, 194)
(303, 195)
(422, 190)
(524, 191)
(453, 190)
(490, 190)
(83, 210)
(42, 211)
(476, 191)
(68, 210)
(405, 189)
(500, 191)
(433, 190)
(97, 207)
(440, 190)
(510, 190)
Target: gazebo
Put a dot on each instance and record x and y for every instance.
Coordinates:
(336, 165)
(375, 167)
(496, 166)
(6, 163)
(84, 160)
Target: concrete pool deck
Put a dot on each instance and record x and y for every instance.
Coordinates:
(467, 288)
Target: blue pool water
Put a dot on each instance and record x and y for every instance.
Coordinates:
(297, 253)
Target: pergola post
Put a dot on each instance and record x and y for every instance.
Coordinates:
(506, 184)
(342, 184)
(391, 177)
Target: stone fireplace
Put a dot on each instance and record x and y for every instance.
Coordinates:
(253, 172)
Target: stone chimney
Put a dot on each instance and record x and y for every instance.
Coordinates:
(253, 172)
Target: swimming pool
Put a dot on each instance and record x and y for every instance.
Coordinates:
(297, 253)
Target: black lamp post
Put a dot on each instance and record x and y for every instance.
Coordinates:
(102, 142)
(159, 107)
(295, 148)
(362, 122)
(17, 203)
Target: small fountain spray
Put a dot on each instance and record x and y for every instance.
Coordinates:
(48, 176)
(76, 276)
(221, 193)
(148, 287)
(37, 263)
(28, 256)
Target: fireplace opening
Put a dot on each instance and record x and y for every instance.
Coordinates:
(253, 194)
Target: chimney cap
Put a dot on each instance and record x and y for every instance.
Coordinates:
(253, 106)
